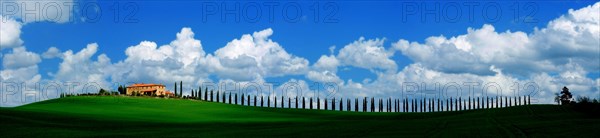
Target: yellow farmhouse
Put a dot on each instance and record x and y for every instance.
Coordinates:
(148, 89)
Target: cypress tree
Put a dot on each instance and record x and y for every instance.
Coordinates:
(381, 105)
(296, 101)
(405, 105)
(438, 105)
(211, 95)
(261, 101)
(318, 103)
(341, 104)
(236, 101)
(412, 105)
(248, 100)
(282, 101)
(311, 103)
(469, 105)
(176, 94)
(348, 106)
(488, 102)
(447, 105)
(243, 96)
(205, 93)
(326, 104)
(275, 104)
(180, 88)
(506, 101)
(355, 104)
(455, 104)
(303, 102)
(229, 97)
(333, 104)
(268, 101)
(364, 104)
(289, 102)
(254, 100)
(496, 102)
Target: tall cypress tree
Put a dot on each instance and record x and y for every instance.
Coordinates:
(180, 88)
(372, 104)
(311, 103)
(355, 104)
(211, 95)
(325, 103)
(175, 89)
(223, 97)
(333, 104)
(341, 104)
(243, 98)
(318, 103)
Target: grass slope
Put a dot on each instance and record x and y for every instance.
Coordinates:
(130, 116)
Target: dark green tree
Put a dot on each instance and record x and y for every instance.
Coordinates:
(326, 104)
(242, 98)
(318, 103)
(175, 91)
(121, 89)
(103, 92)
(311, 103)
(566, 96)
(180, 88)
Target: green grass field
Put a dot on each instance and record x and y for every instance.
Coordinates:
(131, 116)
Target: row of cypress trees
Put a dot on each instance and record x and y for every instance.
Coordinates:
(391, 105)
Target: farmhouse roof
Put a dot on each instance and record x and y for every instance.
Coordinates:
(143, 85)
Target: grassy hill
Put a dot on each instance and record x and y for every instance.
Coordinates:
(131, 116)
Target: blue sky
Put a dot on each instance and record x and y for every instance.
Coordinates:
(339, 24)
